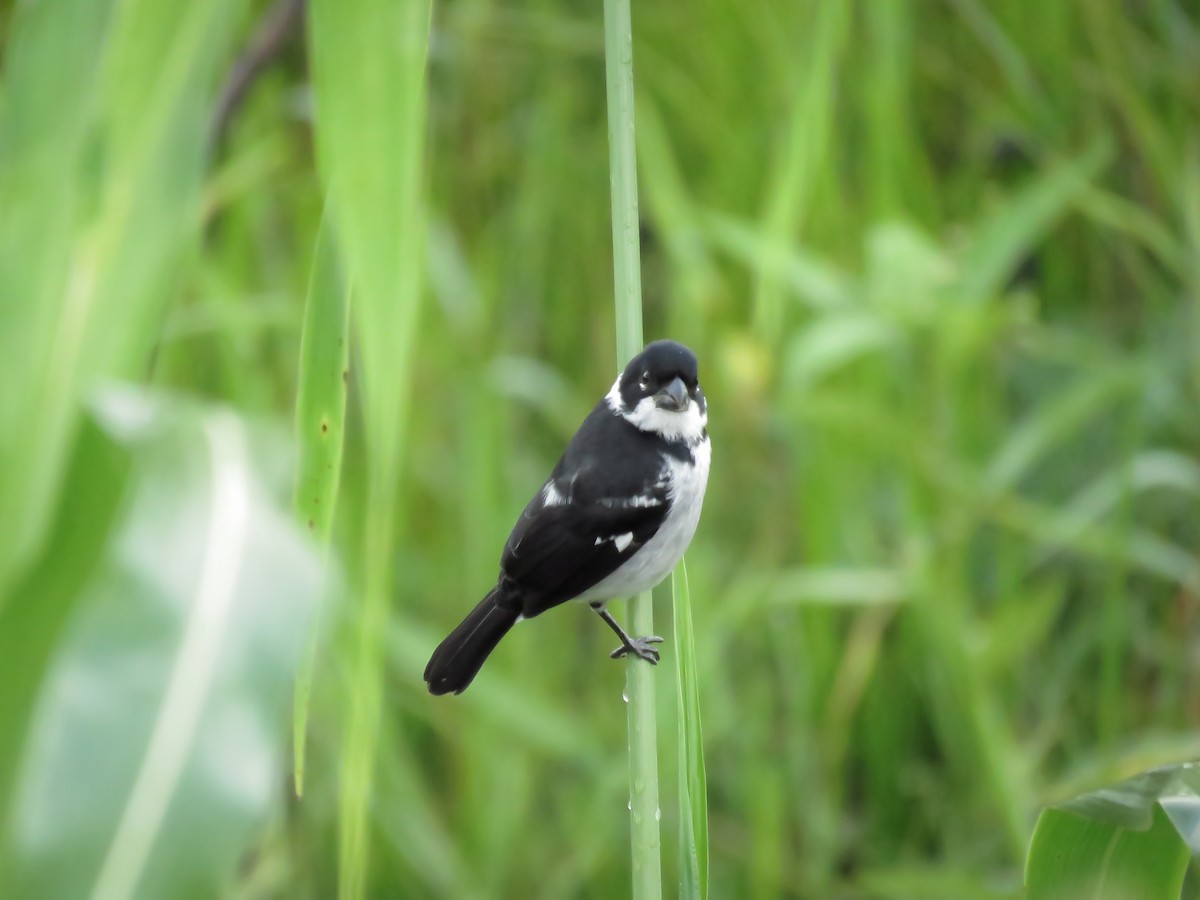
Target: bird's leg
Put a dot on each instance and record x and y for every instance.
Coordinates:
(638, 646)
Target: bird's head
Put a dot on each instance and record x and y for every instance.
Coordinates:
(659, 391)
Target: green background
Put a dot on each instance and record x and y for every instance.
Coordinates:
(940, 262)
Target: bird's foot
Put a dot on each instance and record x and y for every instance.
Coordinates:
(639, 647)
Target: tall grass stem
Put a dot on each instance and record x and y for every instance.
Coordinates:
(627, 285)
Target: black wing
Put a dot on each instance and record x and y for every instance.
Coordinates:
(606, 497)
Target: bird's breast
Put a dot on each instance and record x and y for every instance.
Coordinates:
(685, 481)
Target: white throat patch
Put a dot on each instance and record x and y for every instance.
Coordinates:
(687, 425)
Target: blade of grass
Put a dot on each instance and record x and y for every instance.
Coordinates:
(1056, 419)
(50, 86)
(792, 184)
(369, 59)
(627, 285)
(693, 780)
(95, 274)
(1002, 238)
(320, 429)
(1190, 193)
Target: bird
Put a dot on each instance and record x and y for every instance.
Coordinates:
(612, 520)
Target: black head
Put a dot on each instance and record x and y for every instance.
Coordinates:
(660, 391)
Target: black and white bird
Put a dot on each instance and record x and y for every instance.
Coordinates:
(612, 520)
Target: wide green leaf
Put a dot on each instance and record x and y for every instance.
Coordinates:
(30, 631)
(1073, 858)
(1130, 840)
(157, 744)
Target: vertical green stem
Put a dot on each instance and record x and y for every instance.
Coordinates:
(622, 166)
(627, 278)
(693, 779)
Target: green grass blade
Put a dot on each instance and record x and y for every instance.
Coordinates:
(117, 163)
(1055, 420)
(693, 780)
(627, 284)
(369, 59)
(799, 167)
(320, 434)
(1004, 237)
(50, 76)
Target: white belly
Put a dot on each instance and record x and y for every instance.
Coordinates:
(654, 561)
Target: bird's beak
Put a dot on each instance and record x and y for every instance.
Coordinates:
(673, 397)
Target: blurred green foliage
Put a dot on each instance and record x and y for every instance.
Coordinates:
(939, 262)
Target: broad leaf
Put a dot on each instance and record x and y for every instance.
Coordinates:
(1132, 839)
(157, 745)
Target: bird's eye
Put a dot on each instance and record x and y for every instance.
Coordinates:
(644, 382)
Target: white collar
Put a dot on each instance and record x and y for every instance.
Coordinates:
(687, 425)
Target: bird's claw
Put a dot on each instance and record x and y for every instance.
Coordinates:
(640, 647)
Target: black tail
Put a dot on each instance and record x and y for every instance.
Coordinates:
(457, 659)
